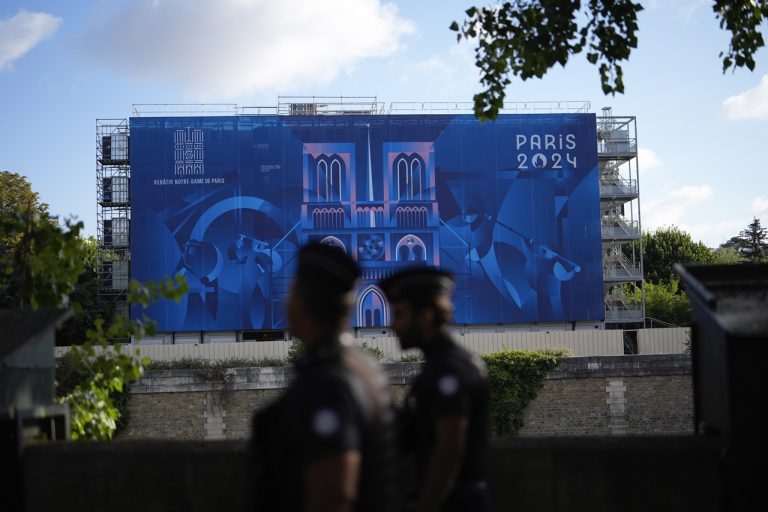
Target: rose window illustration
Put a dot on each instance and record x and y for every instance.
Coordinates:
(371, 247)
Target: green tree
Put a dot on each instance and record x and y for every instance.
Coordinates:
(41, 269)
(93, 378)
(664, 301)
(28, 238)
(666, 246)
(17, 196)
(751, 243)
(726, 256)
(40, 265)
(84, 300)
(17, 199)
(526, 38)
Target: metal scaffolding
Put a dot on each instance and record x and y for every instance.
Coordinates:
(113, 213)
(620, 222)
(617, 161)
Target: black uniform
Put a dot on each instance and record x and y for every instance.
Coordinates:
(338, 402)
(453, 382)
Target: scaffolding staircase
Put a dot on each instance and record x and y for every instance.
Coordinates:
(617, 267)
(620, 222)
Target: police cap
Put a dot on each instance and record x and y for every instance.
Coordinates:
(417, 284)
(327, 267)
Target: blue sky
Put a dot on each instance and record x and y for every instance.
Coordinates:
(64, 64)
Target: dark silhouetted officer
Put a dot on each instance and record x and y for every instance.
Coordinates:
(444, 422)
(328, 444)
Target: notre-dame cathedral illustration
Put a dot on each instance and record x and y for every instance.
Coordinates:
(393, 223)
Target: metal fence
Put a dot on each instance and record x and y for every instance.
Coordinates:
(673, 340)
(578, 343)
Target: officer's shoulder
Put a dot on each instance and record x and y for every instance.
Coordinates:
(458, 355)
(359, 358)
(465, 363)
(479, 365)
(320, 380)
(353, 363)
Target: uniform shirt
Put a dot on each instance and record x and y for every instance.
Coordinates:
(452, 383)
(338, 402)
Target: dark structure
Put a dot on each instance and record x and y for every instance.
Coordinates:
(27, 409)
(580, 474)
(730, 345)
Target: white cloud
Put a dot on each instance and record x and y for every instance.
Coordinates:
(22, 32)
(648, 159)
(679, 208)
(684, 9)
(760, 206)
(232, 47)
(750, 104)
(713, 233)
(443, 77)
(669, 209)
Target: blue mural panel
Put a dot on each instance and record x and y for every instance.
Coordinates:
(510, 207)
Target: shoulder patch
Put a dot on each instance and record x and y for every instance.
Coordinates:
(448, 384)
(480, 365)
(325, 422)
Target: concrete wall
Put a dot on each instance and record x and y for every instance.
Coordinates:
(605, 396)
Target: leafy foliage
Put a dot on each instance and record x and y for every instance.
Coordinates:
(25, 232)
(42, 268)
(742, 18)
(528, 37)
(201, 364)
(666, 246)
(84, 300)
(515, 379)
(374, 352)
(726, 256)
(295, 351)
(415, 357)
(17, 198)
(144, 295)
(40, 264)
(666, 302)
(95, 375)
(297, 348)
(94, 385)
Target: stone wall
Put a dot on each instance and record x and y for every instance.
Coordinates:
(590, 396)
(166, 415)
(614, 396)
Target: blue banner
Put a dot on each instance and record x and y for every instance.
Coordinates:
(511, 207)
